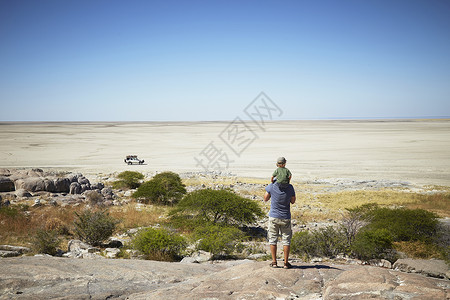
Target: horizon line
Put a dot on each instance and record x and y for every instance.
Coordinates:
(230, 120)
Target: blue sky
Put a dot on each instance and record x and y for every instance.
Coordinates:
(206, 60)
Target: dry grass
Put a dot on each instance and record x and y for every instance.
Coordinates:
(19, 224)
(133, 216)
(438, 203)
(323, 206)
(418, 249)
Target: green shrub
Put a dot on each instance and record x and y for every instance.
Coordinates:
(94, 227)
(46, 242)
(218, 206)
(302, 244)
(404, 224)
(128, 179)
(218, 239)
(372, 244)
(324, 242)
(164, 188)
(159, 244)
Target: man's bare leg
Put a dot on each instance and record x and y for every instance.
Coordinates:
(286, 249)
(273, 251)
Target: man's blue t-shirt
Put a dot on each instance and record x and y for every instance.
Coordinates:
(280, 206)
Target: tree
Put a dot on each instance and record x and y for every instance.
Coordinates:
(218, 207)
(128, 179)
(94, 227)
(163, 188)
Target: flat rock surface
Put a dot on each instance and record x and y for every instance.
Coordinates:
(62, 278)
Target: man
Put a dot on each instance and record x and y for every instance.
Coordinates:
(280, 219)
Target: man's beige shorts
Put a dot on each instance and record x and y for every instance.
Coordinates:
(279, 227)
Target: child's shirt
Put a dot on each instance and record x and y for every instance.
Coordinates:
(282, 175)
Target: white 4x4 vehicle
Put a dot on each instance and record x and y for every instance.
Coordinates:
(133, 159)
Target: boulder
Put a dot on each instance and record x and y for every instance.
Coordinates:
(428, 267)
(22, 193)
(111, 252)
(49, 185)
(108, 193)
(6, 253)
(85, 187)
(6, 184)
(19, 249)
(79, 249)
(62, 185)
(31, 184)
(75, 188)
(97, 186)
(83, 180)
(198, 257)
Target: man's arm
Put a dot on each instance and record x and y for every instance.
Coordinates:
(293, 199)
(266, 196)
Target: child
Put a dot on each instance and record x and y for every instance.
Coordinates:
(282, 174)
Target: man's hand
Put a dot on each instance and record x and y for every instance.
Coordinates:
(293, 199)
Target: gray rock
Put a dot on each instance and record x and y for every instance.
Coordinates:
(77, 245)
(37, 202)
(111, 252)
(5, 253)
(31, 184)
(49, 185)
(22, 193)
(108, 193)
(6, 184)
(75, 188)
(200, 257)
(380, 263)
(50, 277)
(83, 180)
(379, 283)
(19, 249)
(433, 267)
(97, 186)
(79, 249)
(62, 185)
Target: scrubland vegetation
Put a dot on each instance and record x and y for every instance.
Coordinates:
(368, 224)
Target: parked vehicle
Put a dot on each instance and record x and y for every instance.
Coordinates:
(133, 159)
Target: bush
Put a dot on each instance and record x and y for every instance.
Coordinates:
(324, 242)
(218, 206)
(159, 244)
(94, 227)
(372, 244)
(302, 244)
(128, 179)
(404, 224)
(218, 239)
(164, 188)
(46, 241)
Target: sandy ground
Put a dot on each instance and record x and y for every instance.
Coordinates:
(417, 151)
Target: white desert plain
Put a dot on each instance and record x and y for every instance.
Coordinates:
(415, 151)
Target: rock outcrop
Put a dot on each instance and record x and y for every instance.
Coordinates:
(63, 278)
(6, 184)
(428, 267)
